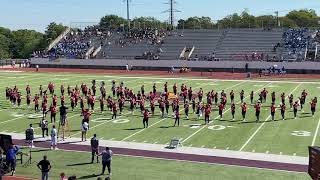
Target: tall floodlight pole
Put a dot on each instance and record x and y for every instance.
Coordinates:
(128, 14)
(277, 16)
(171, 11)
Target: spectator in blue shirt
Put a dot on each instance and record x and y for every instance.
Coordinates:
(11, 157)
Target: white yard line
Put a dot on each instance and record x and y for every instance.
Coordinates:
(196, 132)
(96, 126)
(315, 134)
(166, 118)
(252, 136)
(203, 79)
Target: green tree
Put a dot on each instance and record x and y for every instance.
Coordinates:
(304, 18)
(52, 32)
(25, 42)
(112, 22)
(148, 22)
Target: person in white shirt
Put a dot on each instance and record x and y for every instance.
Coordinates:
(84, 129)
(127, 67)
(54, 137)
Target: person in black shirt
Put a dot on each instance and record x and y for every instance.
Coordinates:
(94, 148)
(45, 166)
(63, 114)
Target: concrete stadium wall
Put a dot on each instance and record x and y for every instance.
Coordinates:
(237, 66)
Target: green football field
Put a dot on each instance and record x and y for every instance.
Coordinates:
(288, 137)
(134, 168)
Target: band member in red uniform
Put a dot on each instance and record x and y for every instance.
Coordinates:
(101, 100)
(244, 111)
(174, 89)
(258, 108)
(167, 104)
(303, 97)
(36, 103)
(82, 102)
(62, 99)
(177, 118)
(132, 104)
(154, 88)
(207, 114)
(193, 105)
(72, 102)
(273, 110)
(186, 109)
(251, 97)
(152, 106)
(114, 111)
(241, 96)
(62, 90)
(221, 107)
(295, 109)
(44, 108)
(53, 112)
(273, 97)
(290, 100)
(283, 110)
(200, 95)
(216, 98)
(91, 100)
(51, 88)
(190, 93)
(142, 90)
(264, 94)
(28, 100)
(54, 100)
(69, 90)
(313, 105)
(28, 89)
(40, 90)
(232, 96)
(162, 106)
(145, 118)
(94, 89)
(233, 110)
(185, 94)
(165, 89)
(86, 116)
(283, 98)
(19, 98)
(121, 104)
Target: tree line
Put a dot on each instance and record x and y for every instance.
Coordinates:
(22, 43)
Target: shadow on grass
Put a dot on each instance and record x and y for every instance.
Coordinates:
(89, 176)
(133, 129)
(79, 164)
(165, 127)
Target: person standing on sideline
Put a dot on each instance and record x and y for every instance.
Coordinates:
(45, 166)
(11, 158)
(54, 138)
(127, 67)
(106, 160)
(94, 148)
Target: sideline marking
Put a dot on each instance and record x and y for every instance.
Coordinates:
(315, 134)
(251, 137)
(201, 79)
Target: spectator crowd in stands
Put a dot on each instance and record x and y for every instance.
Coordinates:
(296, 40)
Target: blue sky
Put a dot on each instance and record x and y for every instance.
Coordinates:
(37, 14)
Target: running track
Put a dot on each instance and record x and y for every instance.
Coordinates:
(181, 157)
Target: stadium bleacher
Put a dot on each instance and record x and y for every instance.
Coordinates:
(189, 44)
